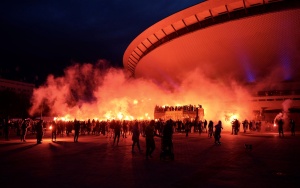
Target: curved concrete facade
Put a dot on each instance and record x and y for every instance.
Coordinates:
(226, 39)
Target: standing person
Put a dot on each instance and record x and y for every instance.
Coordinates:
(88, 126)
(125, 129)
(136, 136)
(179, 124)
(24, 126)
(111, 125)
(39, 132)
(76, 130)
(103, 125)
(117, 131)
(187, 128)
(150, 143)
(280, 127)
(210, 128)
(200, 126)
(205, 125)
(292, 125)
(250, 126)
(245, 125)
(218, 129)
(236, 126)
(54, 125)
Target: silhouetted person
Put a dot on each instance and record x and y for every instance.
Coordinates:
(292, 125)
(125, 129)
(187, 128)
(179, 123)
(205, 125)
(88, 126)
(39, 132)
(136, 136)
(210, 129)
(103, 125)
(235, 127)
(54, 130)
(166, 141)
(199, 125)
(24, 126)
(218, 129)
(168, 130)
(117, 131)
(280, 127)
(150, 143)
(69, 128)
(245, 125)
(250, 126)
(76, 130)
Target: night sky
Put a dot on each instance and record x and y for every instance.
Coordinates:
(41, 37)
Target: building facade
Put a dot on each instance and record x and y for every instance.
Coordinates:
(244, 40)
(15, 98)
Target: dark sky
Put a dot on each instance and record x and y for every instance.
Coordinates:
(39, 37)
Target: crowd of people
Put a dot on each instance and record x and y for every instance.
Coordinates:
(115, 129)
(110, 128)
(257, 126)
(246, 125)
(176, 108)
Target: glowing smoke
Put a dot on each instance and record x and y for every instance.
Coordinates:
(88, 91)
(286, 105)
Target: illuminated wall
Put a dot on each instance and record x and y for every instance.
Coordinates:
(245, 49)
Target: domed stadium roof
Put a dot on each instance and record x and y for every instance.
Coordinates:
(244, 40)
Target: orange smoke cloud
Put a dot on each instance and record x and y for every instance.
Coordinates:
(88, 91)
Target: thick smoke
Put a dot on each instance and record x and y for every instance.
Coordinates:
(88, 91)
(286, 105)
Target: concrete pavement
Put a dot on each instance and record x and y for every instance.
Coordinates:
(94, 162)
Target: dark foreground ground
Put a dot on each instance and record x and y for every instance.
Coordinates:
(94, 162)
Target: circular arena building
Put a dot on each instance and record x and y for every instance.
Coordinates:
(242, 40)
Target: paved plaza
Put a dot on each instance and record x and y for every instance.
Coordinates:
(94, 162)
